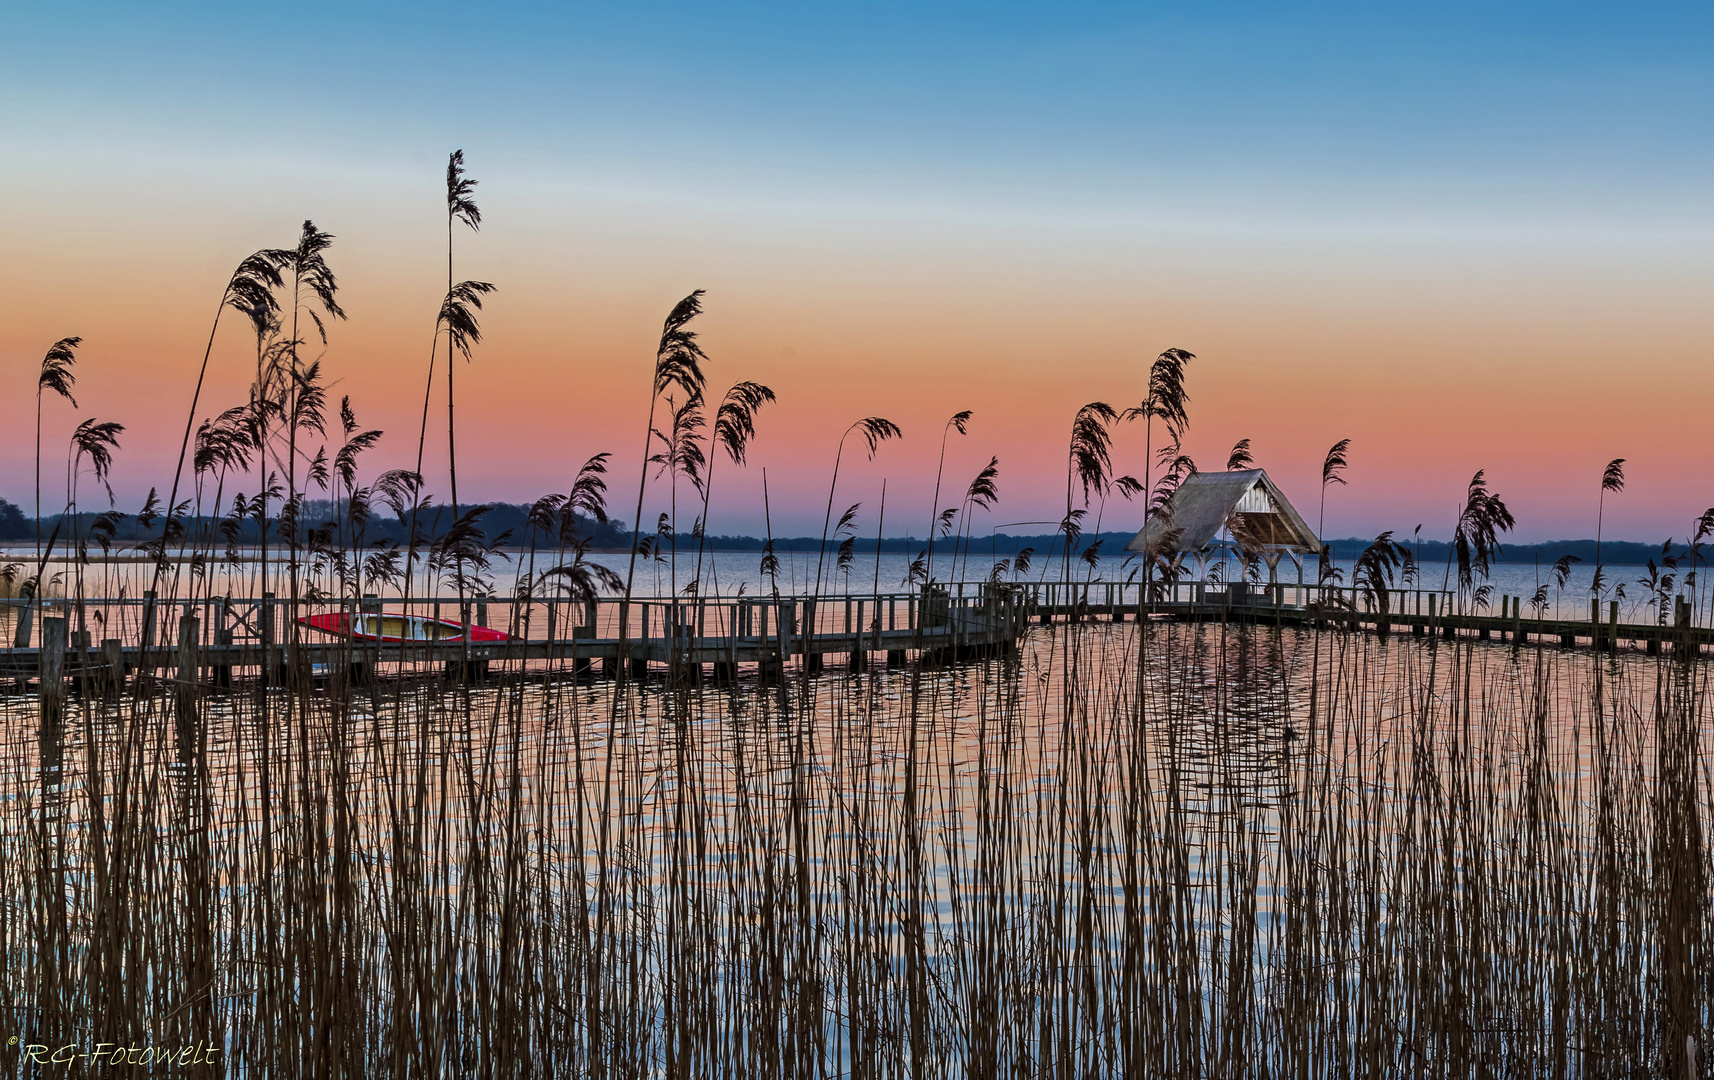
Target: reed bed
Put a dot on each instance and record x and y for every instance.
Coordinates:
(1132, 849)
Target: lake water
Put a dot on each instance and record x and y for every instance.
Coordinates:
(1210, 851)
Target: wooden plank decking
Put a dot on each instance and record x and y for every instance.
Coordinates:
(219, 637)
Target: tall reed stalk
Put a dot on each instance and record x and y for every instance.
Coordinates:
(875, 430)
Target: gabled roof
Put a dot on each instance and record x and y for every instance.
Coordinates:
(1208, 502)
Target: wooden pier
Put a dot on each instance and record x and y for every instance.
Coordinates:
(214, 640)
(210, 640)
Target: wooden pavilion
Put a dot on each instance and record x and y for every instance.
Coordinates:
(1240, 511)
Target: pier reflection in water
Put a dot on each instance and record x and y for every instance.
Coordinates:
(1170, 849)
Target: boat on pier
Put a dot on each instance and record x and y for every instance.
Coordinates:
(393, 627)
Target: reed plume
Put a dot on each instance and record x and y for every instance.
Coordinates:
(734, 427)
(56, 376)
(458, 318)
(95, 441)
(353, 445)
(678, 363)
(1332, 472)
(1701, 529)
(583, 580)
(959, 421)
(1181, 468)
(846, 533)
(1089, 460)
(1168, 401)
(1240, 457)
(982, 494)
(1476, 536)
(681, 457)
(223, 444)
(1372, 574)
(460, 204)
(875, 430)
(1612, 479)
(310, 274)
(769, 566)
(250, 290)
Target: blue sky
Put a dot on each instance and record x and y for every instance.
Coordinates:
(1484, 229)
(1430, 110)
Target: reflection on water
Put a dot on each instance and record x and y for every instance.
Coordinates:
(1293, 851)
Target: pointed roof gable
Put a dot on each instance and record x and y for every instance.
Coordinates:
(1204, 504)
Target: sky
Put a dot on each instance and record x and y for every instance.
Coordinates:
(1463, 236)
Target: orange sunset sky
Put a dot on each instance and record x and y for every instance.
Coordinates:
(1462, 241)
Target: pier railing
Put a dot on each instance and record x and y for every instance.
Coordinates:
(251, 631)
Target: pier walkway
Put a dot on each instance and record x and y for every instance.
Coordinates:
(211, 639)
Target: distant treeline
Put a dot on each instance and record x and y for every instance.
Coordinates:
(499, 519)
(511, 520)
(1613, 552)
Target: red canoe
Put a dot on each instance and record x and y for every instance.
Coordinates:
(394, 627)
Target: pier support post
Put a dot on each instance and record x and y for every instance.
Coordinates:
(145, 662)
(371, 650)
(50, 669)
(84, 661)
(50, 736)
(896, 657)
(859, 660)
(190, 631)
(113, 652)
(470, 673)
(222, 641)
(812, 663)
(272, 668)
(26, 613)
(185, 687)
(725, 673)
